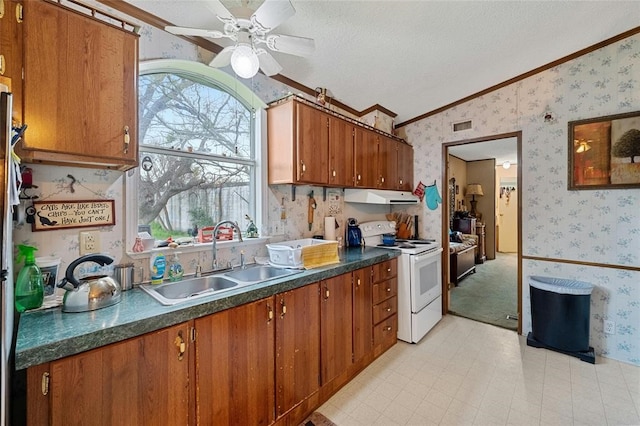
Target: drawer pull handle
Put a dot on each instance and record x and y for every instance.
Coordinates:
(358, 282)
(388, 309)
(333, 173)
(283, 311)
(304, 167)
(388, 289)
(388, 269)
(388, 328)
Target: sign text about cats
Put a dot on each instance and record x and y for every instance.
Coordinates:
(52, 215)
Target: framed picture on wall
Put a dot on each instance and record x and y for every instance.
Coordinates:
(604, 152)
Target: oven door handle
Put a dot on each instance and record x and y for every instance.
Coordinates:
(428, 255)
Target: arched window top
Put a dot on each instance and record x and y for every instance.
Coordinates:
(205, 74)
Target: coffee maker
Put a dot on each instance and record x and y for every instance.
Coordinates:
(354, 234)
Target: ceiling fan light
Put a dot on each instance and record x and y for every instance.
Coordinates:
(244, 61)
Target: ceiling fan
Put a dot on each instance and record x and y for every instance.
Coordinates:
(250, 31)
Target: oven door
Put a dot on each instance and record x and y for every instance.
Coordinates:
(426, 274)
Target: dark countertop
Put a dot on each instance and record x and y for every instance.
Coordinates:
(50, 334)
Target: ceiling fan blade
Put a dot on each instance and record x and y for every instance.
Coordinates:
(268, 64)
(221, 12)
(299, 46)
(271, 14)
(223, 58)
(200, 32)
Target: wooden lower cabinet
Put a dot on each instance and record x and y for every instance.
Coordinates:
(140, 381)
(336, 334)
(297, 346)
(272, 361)
(234, 365)
(385, 305)
(362, 331)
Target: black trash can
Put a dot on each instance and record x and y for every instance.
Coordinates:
(560, 311)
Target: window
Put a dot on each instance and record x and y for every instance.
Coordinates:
(197, 143)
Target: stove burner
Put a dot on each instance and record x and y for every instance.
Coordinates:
(387, 245)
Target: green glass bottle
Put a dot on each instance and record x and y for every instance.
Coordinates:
(29, 284)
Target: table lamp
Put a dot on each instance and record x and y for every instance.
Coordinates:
(474, 189)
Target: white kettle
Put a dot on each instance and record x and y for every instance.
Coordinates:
(90, 293)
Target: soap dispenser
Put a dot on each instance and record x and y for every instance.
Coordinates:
(175, 268)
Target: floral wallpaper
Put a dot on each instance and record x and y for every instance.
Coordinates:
(591, 226)
(600, 227)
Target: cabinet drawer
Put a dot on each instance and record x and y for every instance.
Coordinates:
(384, 290)
(385, 270)
(386, 331)
(384, 310)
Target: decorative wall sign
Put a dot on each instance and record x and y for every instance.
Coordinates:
(605, 152)
(51, 215)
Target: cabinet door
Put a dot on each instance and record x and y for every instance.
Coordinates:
(11, 51)
(366, 158)
(141, 381)
(297, 346)
(80, 87)
(312, 145)
(362, 331)
(387, 163)
(335, 326)
(234, 365)
(341, 135)
(405, 167)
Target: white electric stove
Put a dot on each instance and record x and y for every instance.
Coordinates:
(419, 279)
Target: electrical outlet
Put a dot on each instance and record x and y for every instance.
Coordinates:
(609, 327)
(89, 242)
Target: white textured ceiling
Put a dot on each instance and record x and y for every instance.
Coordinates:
(413, 57)
(500, 149)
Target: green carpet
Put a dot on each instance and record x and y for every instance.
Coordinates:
(490, 294)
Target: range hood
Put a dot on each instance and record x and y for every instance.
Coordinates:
(379, 196)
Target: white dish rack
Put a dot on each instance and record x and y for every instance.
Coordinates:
(288, 254)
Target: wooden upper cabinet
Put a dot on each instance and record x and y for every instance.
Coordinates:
(140, 381)
(235, 365)
(80, 89)
(341, 137)
(312, 145)
(307, 145)
(366, 158)
(298, 138)
(405, 167)
(387, 163)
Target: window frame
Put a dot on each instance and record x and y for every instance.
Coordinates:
(210, 76)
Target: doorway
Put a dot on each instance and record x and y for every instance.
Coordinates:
(484, 176)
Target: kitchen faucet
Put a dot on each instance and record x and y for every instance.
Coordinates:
(215, 233)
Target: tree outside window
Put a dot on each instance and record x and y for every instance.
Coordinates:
(197, 155)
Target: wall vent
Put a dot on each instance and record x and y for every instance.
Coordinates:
(462, 125)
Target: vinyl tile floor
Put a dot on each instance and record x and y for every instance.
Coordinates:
(470, 373)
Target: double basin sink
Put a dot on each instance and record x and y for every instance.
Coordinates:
(172, 293)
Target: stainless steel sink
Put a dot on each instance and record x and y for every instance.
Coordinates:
(180, 291)
(172, 293)
(260, 273)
